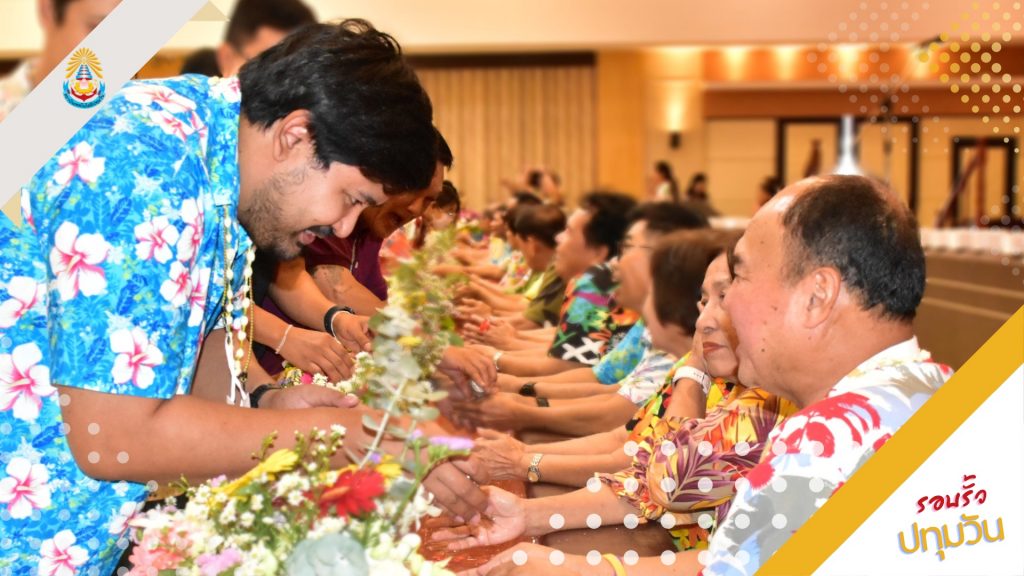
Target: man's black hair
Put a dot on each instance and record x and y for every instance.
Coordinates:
(366, 105)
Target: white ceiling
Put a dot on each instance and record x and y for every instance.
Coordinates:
(532, 25)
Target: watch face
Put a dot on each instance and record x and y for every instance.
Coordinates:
(532, 476)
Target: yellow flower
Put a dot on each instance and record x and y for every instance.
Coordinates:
(389, 468)
(277, 462)
(410, 341)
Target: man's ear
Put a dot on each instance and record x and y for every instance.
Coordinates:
(291, 135)
(820, 291)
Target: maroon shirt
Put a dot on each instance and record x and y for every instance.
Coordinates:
(334, 251)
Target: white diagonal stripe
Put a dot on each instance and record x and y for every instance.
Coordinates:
(43, 122)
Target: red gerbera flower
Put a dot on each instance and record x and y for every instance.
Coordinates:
(352, 493)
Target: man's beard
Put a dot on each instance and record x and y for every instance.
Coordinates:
(263, 216)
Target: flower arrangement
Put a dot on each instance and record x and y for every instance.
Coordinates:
(293, 513)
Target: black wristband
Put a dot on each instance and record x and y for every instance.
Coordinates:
(255, 395)
(329, 318)
(528, 389)
(543, 402)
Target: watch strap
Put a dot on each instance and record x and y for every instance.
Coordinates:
(533, 472)
(696, 375)
(329, 318)
(528, 389)
(259, 391)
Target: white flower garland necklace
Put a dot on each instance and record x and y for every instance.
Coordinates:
(242, 324)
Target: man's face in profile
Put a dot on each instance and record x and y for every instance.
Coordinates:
(400, 209)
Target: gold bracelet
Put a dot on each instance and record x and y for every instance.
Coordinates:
(617, 566)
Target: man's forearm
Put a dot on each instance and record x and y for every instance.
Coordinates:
(267, 329)
(341, 287)
(212, 379)
(520, 322)
(297, 295)
(522, 345)
(567, 390)
(575, 507)
(600, 443)
(219, 439)
(582, 374)
(579, 416)
(576, 469)
(527, 363)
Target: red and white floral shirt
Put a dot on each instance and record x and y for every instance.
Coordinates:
(815, 451)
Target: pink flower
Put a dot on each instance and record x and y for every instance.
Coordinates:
(167, 99)
(121, 519)
(25, 293)
(155, 239)
(25, 488)
(172, 124)
(160, 549)
(177, 289)
(214, 564)
(200, 279)
(79, 161)
(75, 260)
(192, 236)
(136, 357)
(24, 382)
(59, 555)
(226, 88)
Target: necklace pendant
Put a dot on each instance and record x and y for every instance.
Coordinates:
(242, 377)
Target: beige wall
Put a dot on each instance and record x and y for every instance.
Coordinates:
(936, 150)
(642, 97)
(740, 153)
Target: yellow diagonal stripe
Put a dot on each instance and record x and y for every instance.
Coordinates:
(904, 453)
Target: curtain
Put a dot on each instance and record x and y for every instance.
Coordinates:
(501, 120)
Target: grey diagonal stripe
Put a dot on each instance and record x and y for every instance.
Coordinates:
(43, 122)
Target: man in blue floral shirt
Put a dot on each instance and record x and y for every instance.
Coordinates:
(132, 234)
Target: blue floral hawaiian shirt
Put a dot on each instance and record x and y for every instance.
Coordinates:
(620, 361)
(111, 285)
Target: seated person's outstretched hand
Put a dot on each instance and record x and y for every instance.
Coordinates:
(307, 396)
(504, 519)
(352, 331)
(537, 563)
(501, 410)
(454, 490)
(464, 364)
(318, 353)
(489, 331)
(470, 307)
(500, 455)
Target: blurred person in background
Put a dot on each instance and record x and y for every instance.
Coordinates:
(664, 186)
